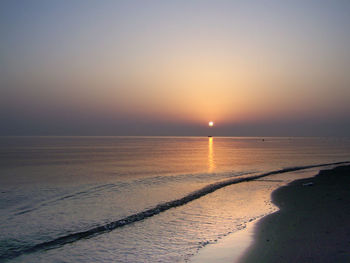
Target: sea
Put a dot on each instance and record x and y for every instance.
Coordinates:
(142, 199)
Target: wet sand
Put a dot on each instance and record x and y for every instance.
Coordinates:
(312, 225)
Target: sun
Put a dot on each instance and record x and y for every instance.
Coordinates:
(211, 124)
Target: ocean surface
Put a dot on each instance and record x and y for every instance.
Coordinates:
(140, 199)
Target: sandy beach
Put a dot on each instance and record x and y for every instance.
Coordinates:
(312, 224)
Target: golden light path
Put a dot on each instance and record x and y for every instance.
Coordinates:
(211, 163)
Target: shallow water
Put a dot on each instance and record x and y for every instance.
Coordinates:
(53, 187)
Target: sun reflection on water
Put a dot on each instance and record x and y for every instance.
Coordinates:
(211, 163)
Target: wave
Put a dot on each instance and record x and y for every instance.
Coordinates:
(73, 237)
(24, 210)
(155, 180)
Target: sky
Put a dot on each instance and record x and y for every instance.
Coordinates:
(255, 68)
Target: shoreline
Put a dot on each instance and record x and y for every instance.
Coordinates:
(234, 245)
(228, 249)
(312, 224)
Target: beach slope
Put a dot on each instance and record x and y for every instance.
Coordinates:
(312, 225)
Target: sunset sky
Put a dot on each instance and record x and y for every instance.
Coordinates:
(168, 67)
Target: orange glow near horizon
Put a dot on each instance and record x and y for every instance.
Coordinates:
(148, 66)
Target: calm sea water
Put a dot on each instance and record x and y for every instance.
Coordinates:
(94, 199)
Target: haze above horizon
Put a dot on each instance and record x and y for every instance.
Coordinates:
(255, 68)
